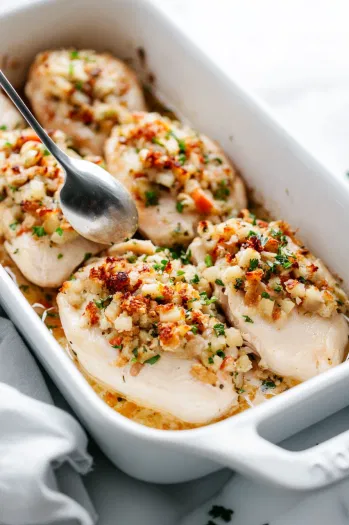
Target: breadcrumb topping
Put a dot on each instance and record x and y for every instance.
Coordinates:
(84, 86)
(146, 305)
(268, 265)
(30, 180)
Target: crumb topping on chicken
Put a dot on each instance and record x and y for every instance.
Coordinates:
(265, 262)
(158, 154)
(146, 305)
(30, 180)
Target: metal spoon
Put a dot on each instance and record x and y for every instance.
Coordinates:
(97, 206)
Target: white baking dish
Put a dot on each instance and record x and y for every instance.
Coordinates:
(293, 185)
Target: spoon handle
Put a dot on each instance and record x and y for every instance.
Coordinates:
(33, 123)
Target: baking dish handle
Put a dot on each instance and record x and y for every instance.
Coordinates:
(246, 451)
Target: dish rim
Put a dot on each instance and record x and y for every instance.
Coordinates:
(258, 413)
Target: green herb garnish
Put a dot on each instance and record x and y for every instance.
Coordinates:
(223, 192)
(152, 360)
(179, 207)
(151, 198)
(208, 261)
(253, 265)
(86, 256)
(59, 231)
(247, 319)
(39, 231)
(238, 283)
(219, 282)
(219, 329)
(60, 256)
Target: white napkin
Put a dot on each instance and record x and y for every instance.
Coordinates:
(42, 448)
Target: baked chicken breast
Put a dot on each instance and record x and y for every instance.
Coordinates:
(39, 240)
(176, 175)
(285, 302)
(83, 93)
(146, 326)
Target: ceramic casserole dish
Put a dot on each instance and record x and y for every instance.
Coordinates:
(290, 182)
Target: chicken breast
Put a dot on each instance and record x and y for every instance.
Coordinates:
(145, 326)
(10, 118)
(286, 304)
(82, 93)
(37, 237)
(176, 175)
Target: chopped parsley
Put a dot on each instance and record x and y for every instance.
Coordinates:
(253, 265)
(254, 219)
(208, 261)
(219, 329)
(118, 347)
(39, 231)
(135, 352)
(180, 142)
(218, 511)
(268, 384)
(180, 272)
(155, 140)
(59, 231)
(182, 158)
(278, 288)
(14, 225)
(206, 300)
(46, 153)
(283, 259)
(195, 279)
(3, 127)
(210, 360)
(151, 198)
(132, 258)
(218, 160)
(60, 256)
(152, 360)
(161, 267)
(86, 256)
(247, 319)
(79, 85)
(265, 295)
(179, 207)
(219, 282)
(103, 303)
(238, 283)
(220, 353)
(74, 55)
(223, 192)
(194, 329)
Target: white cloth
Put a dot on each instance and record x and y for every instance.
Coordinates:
(42, 448)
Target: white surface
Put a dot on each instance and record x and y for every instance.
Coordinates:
(293, 54)
(298, 76)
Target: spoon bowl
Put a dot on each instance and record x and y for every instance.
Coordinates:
(96, 205)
